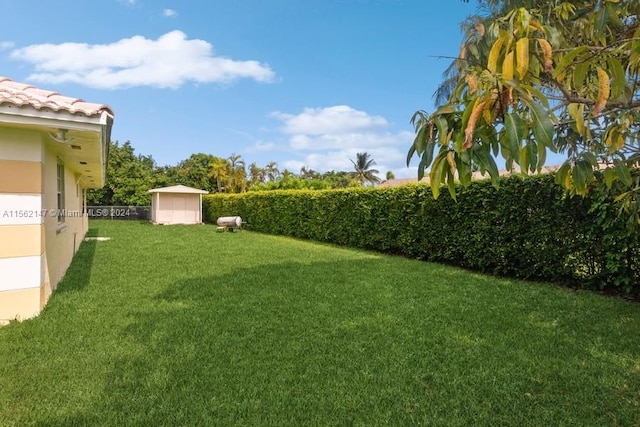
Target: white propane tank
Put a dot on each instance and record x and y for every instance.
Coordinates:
(229, 222)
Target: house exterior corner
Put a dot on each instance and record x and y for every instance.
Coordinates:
(52, 148)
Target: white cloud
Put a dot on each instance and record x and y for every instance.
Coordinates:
(168, 62)
(327, 138)
(169, 13)
(7, 45)
(338, 119)
(333, 141)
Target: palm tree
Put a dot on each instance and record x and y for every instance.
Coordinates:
(390, 175)
(257, 174)
(237, 173)
(287, 174)
(363, 171)
(272, 171)
(219, 169)
(308, 173)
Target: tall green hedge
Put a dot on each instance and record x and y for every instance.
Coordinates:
(528, 228)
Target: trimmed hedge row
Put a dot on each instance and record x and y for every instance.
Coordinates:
(527, 229)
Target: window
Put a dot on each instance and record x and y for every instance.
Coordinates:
(60, 192)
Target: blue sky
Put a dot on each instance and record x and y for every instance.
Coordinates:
(299, 82)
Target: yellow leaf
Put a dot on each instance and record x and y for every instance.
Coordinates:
(507, 66)
(576, 111)
(486, 114)
(604, 90)
(522, 57)
(452, 162)
(535, 24)
(472, 81)
(547, 53)
(471, 124)
(494, 54)
(609, 140)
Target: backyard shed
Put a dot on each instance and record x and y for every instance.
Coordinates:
(177, 204)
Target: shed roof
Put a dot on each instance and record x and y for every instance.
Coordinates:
(178, 189)
(25, 95)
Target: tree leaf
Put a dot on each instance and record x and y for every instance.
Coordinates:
(542, 156)
(523, 160)
(492, 168)
(547, 54)
(604, 90)
(579, 178)
(563, 176)
(516, 129)
(623, 173)
(435, 176)
(494, 54)
(507, 66)
(618, 77)
(567, 60)
(576, 111)
(580, 74)
(471, 124)
(443, 129)
(427, 155)
(543, 128)
(451, 185)
(410, 153)
(522, 57)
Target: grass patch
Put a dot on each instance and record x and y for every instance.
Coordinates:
(180, 325)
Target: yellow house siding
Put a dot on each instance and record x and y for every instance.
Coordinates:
(20, 304)
(20, 177)
(20, 144)
(61, 241)
(21, 223)
(26, 240)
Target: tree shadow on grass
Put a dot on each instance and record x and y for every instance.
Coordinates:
(357, 344)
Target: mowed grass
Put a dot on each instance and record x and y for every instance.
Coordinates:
(180, 325)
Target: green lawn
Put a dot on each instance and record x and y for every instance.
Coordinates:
(180, 325)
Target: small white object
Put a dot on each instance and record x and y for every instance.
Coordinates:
(229, 222)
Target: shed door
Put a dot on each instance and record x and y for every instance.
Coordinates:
(185, 207)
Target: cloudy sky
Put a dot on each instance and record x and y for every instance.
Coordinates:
(299, 82)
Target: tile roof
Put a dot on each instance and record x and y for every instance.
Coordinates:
(24, 95)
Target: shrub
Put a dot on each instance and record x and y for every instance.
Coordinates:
(528, 228)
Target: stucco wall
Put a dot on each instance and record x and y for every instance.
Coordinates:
(22, 257)
(35, 251)
(61, 242)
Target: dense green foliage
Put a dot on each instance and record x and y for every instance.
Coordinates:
(183, 326)
(539, 76)
(528, 229)
(131, 175)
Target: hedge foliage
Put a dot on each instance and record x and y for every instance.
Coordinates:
(528, 228)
